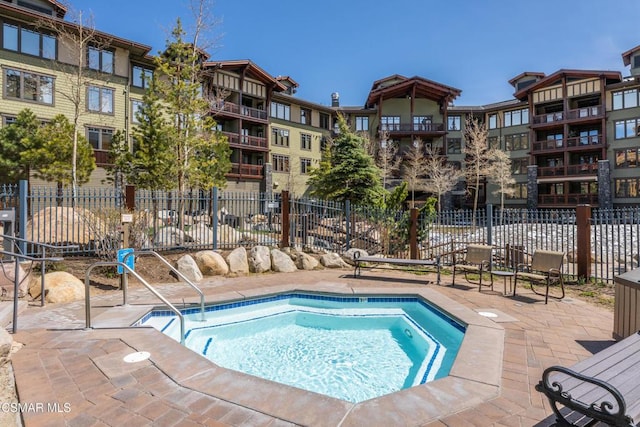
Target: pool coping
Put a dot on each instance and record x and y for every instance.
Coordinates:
(474, 377)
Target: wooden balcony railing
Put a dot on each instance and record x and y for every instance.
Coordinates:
(246, 141)
(547, 200)
(593, 112)
(240, 110)
(569, 170)
(416, 128)
(592, 141)
(246, 170)
(102, 157)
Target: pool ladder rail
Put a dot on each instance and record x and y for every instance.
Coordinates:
(129, 270)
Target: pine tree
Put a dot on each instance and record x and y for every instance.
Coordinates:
(15, 139)
(52, 154)
(350, 172)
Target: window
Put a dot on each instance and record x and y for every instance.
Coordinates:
(454, 145)
(625, 99)
(305, 165)
(280, 137)
(280, 111)
(589, 137)
(626, 187)
(453, 123)
(28, 86)
(324, 121)
(28, 41)
(421, 123)
(519, 166)
(280, 163)
(136, 105)
(100, 99)
(626, 128)
(493, 121)
(627, 158)
(8, 120)
(305, 116)
(362, 123)
(305, 141)
(520, 191)
(99, 59)
(516, 117)
(390, 122)
(140, 76)
(517, 141)
(100, 138)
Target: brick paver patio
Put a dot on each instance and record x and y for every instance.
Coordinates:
(84, 373)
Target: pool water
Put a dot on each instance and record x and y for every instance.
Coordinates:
(351, 348)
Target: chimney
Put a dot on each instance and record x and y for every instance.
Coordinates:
(335, 99)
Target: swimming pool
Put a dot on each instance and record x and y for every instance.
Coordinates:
(350, 347)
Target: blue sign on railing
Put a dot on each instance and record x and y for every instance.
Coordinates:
(130, 261)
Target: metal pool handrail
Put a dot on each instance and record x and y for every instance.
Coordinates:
(43, 246)
(87, 297)
(16, 279)
(178, 273)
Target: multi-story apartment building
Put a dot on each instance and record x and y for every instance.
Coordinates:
(35, 64)
(572, 135)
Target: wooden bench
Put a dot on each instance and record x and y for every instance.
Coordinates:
(545, 267)
(361, 262)
(604, 387)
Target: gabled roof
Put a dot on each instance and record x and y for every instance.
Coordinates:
(397, 86)
(60, 9)
(520, 76)
(288, 80)
(626, 56)
(612, 76)
(250, 68)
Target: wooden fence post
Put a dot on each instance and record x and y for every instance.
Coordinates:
(413, 233)
(583, 241)
(284, 241)
(130, 197)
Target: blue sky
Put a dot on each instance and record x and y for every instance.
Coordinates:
(345, 45)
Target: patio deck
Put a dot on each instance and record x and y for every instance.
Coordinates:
(62, 362)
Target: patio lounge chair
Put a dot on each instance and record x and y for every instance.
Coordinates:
(477, 260)
(545, 268)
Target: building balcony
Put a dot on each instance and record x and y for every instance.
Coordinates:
(254, 143)
(246, 171)
(417, 129)
(569, 170)
(572, 144)
(229, 109)
(102, 157)
(584, 114)
(566, 200)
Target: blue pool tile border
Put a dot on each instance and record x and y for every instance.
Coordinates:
(310, 296)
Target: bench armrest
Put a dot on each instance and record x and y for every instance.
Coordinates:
(603, 410)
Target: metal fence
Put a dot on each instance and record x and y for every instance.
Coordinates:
(216, 219)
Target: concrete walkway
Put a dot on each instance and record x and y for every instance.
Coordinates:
(66, 375)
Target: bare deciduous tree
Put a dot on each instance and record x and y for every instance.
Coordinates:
(74, 38)
(413, 168)
(477, 160)
(387, 159)
(501, 175)
(442, 176)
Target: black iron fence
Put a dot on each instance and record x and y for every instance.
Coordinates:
(100, 221)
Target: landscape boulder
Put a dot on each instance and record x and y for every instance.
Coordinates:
(59, 287)
(170, 236)
(259, 259)
(281, 262)
(238, 262)
(333, 260)
(189, 268)
(350, 254)
(211, 263)
(7, 277)
(306, 262)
